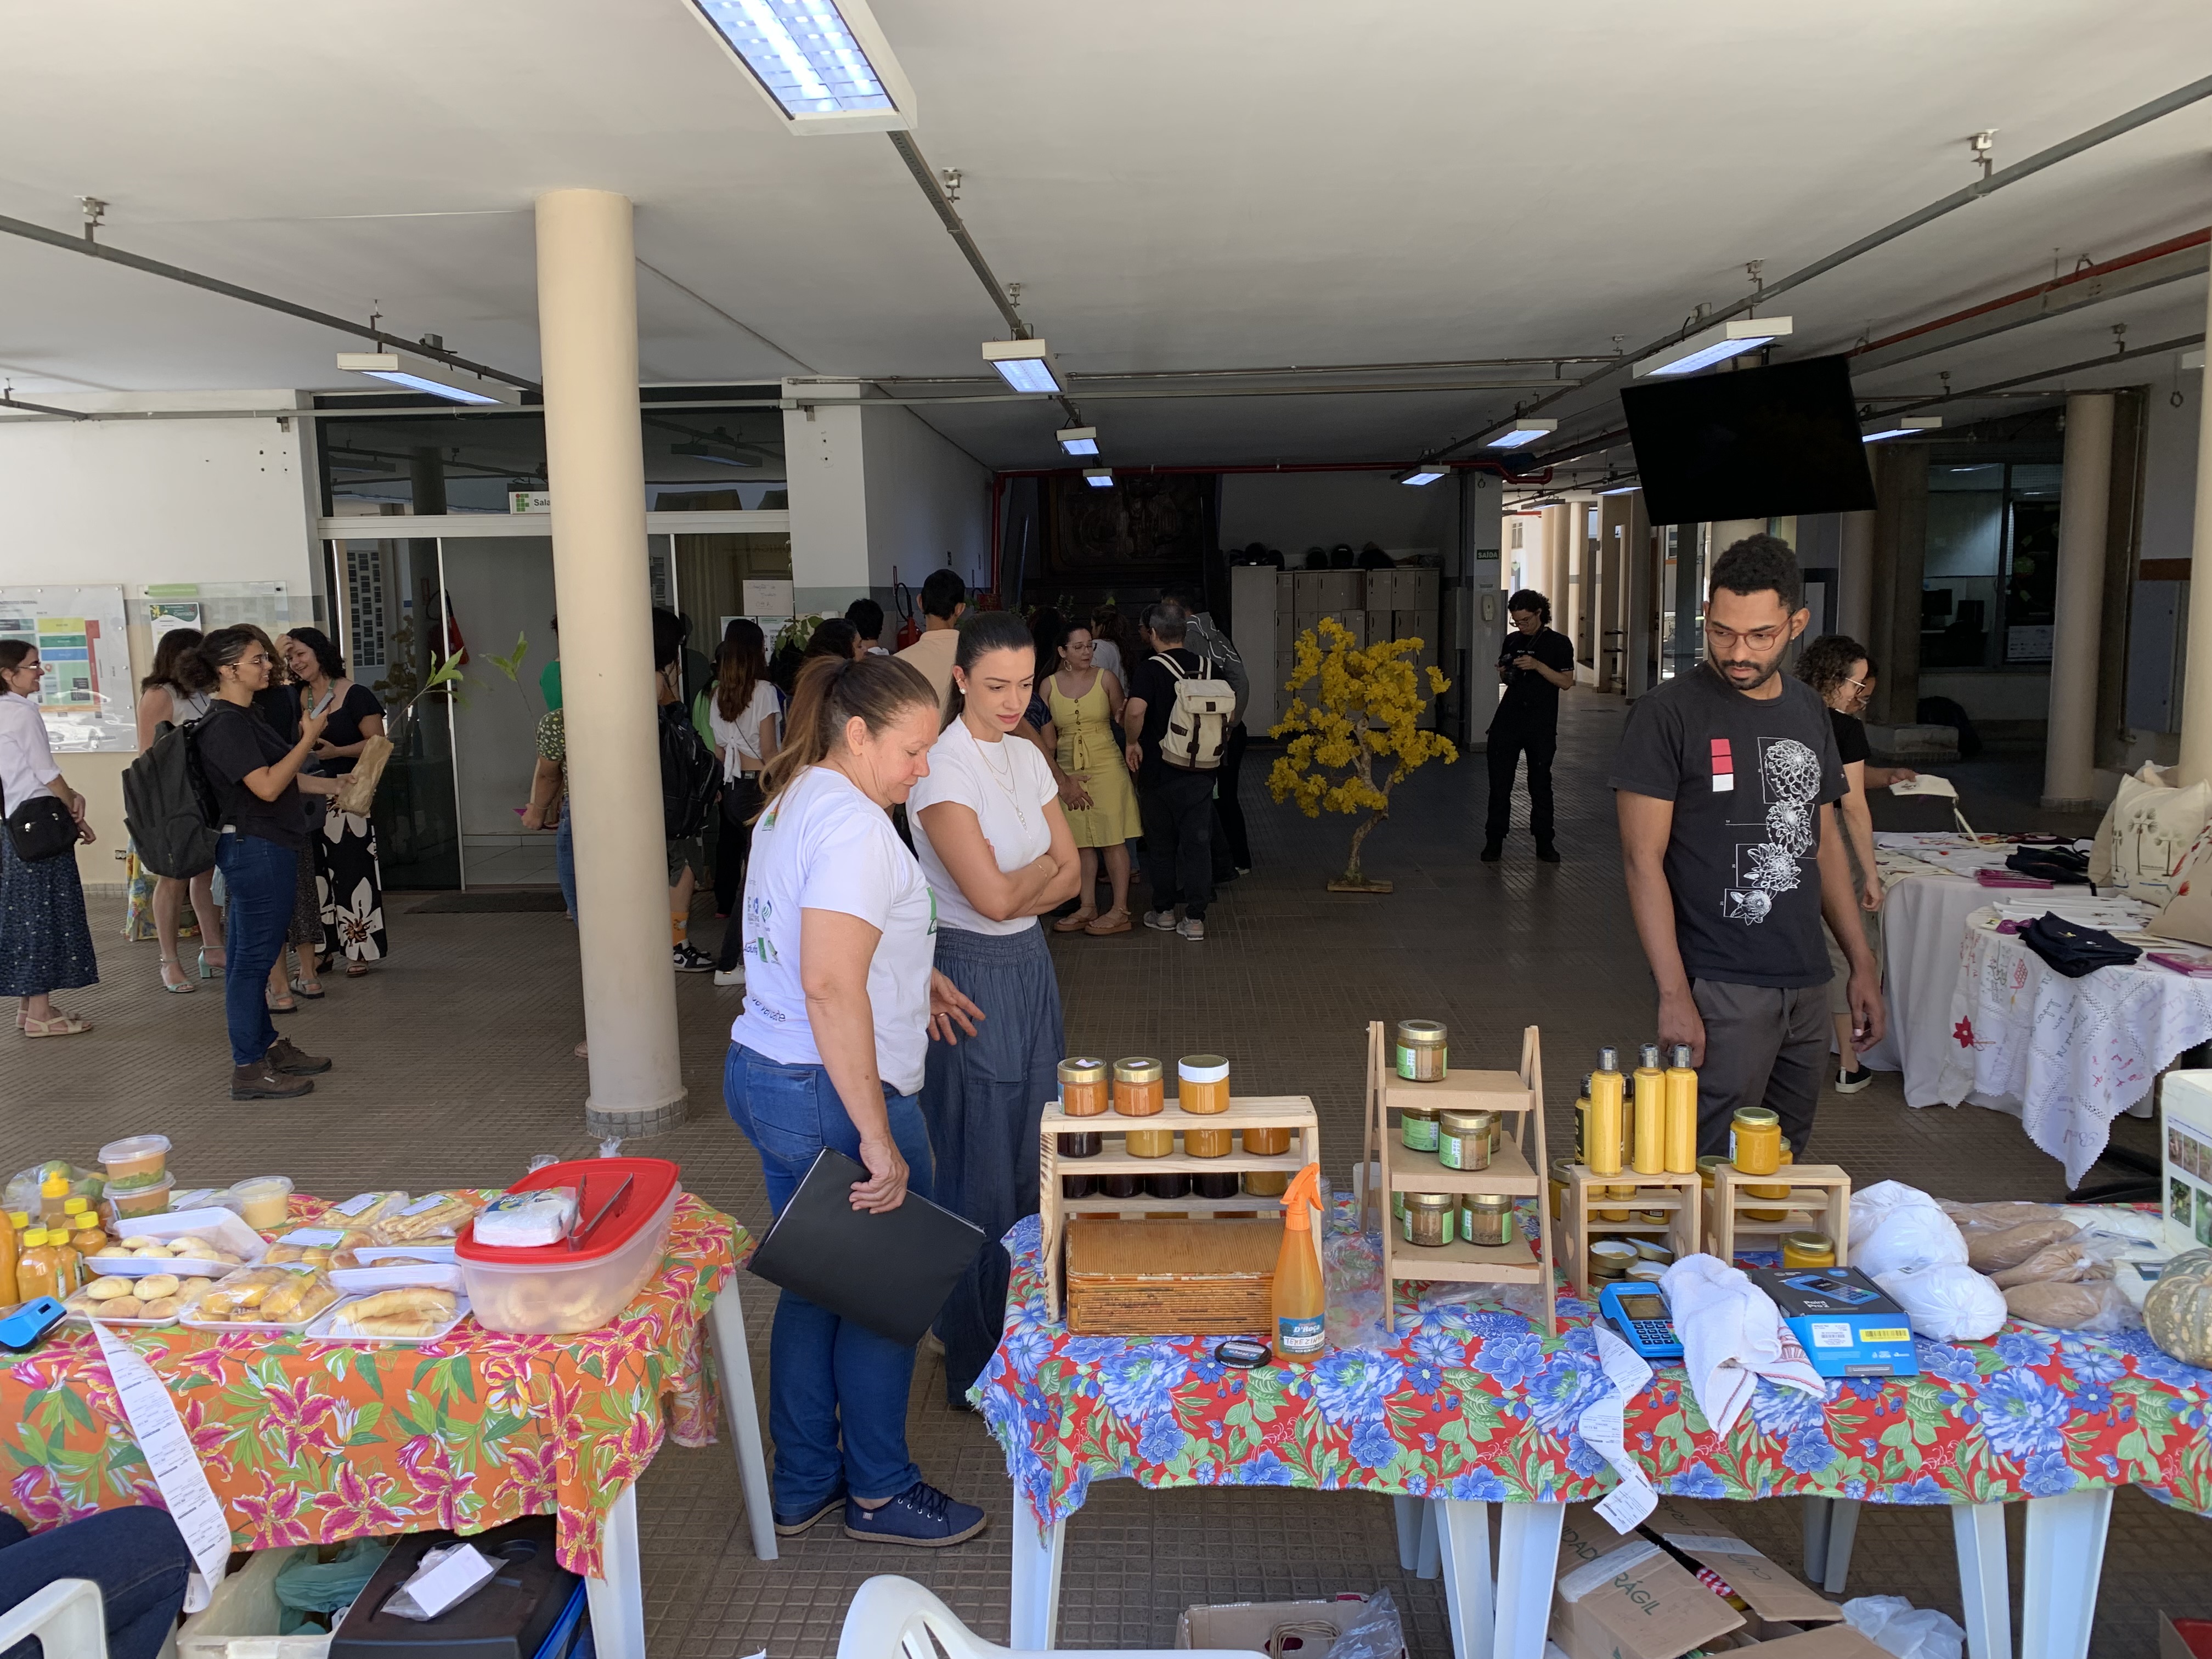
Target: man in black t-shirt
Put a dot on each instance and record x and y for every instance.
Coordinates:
(1535, 666)
(1726, 781)
(1177, 806)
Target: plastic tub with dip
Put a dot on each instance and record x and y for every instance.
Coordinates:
(265, 1202)
(135, 1161)
(142, 1200)
(550, 1290)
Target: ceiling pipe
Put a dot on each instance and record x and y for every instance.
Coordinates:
(2142, 115)
(1439, 367)
(116, 255)
(9, 400)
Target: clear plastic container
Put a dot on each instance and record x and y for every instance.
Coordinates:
(265, 1201)
(135, 1161)
(142, 1200)
(551, 1291)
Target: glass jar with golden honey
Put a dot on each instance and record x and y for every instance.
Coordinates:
(1755, 1141)
(1141, 1088)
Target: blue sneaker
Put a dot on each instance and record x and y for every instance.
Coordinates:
(921, 1515)
(790, 1526)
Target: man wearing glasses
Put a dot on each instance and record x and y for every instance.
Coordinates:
(1726, 783)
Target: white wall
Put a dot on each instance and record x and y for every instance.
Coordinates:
(829, 506)
(1294, 511)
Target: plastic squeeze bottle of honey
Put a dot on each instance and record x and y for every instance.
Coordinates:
(36, 1273)
(1301, 1300)
(9, 1250)
(1602, 1147)
(53, 1201)
(1682, 1113)
(1650, 1128)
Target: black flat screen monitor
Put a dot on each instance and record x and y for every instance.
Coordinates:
(1756, 443)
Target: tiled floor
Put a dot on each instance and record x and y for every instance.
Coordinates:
(454, 1066)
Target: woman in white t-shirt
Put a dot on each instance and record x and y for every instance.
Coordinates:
(840, 1002)
(742, 712)
(998, 851)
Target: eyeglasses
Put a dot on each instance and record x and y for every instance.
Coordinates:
(1759, 638)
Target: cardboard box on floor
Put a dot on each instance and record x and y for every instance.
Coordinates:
(1252, 1625)
(1829, 1642)
(1773, 1597)
(1625, 1598)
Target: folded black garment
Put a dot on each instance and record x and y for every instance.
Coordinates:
(2062, 864)
(2074, 950)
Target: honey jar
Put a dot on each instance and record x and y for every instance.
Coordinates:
(1429, 1219)
(1083, 1090)
(1417, 1127)
(1173, 1184)
(1776, 1190)
(1078, 1186)
(1486, 1218)
(1611, 1258)
(1706, 1165)
(1650, 1249)
(1755, 1141)
(1649, 1272)
(1209, 1142)
(1224, 1184)
(1561, 1184)
(1807, 1250)
(1264, 1183)
(1202, 1083)
(1119, 1186)
(1418, 1050)
(1463, 1140)
(1150, 1143)
(1140, 1088)
(1266, 1143)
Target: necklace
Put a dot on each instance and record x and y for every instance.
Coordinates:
(1006, 783)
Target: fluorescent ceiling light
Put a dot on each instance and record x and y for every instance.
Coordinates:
(1425, 472)
(1623, 489)
(1523, 432)
(824, 64)
(720, 447)
(1025, 365)
(420, 374)
(1714, 345)
(1078, 440)
(1098, 477)
(1904, 427)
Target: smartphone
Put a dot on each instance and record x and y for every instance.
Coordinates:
(323, 707)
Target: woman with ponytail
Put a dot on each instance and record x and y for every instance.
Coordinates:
(742, 717)
(838, 932)
(998, 854)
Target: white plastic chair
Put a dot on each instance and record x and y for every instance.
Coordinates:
(67, 1617)
(895, 1619)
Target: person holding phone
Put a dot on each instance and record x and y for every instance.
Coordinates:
(842, 997)
(255, 774)
(348, 880)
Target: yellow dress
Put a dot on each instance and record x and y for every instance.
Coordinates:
(1091, 750)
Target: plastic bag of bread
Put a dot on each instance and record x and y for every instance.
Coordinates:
(414, 1311)
(2007, 1247)
(289, 1296)
(2096, 1305)
(314, 1247)
(1995, 1218)
(2071, 1261)
(365, 1209)
(440, 1215)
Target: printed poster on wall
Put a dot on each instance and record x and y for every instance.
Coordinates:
(85, 693)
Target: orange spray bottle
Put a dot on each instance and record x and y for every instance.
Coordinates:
(1301, 1299)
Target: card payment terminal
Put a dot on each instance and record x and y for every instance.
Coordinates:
(1639, 1312)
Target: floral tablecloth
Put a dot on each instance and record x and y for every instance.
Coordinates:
(2075, 1053)
(1469, 1401)
(311, 1442)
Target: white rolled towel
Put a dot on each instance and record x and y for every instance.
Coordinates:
(1732, 1334)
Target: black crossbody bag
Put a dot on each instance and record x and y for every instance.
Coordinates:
(41, 828)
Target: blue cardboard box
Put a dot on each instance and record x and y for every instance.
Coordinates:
(1845, 1324)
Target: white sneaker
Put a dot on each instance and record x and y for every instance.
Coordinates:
(731, 975)
(1162, 920)
(1191, 927)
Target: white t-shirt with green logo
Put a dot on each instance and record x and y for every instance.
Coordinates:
(822, 845)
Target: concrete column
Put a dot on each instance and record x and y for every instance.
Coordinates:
(2070, 751)
(1901, 547)
(1855, 576)
(1641, 604)
(1612, 515)
(588, 335)
(2197, 663)
(1555, 564)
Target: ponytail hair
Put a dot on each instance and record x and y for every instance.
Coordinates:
(743, 664)
(174, 644)
(833, 690)
(200, 669)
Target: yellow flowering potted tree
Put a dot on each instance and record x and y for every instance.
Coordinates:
(1362, 712)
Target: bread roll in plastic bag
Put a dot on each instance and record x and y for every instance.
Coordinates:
(1946, 1301)
(1895, 1228)
(2098, 1305)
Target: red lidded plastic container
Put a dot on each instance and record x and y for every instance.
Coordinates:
(551, 1290)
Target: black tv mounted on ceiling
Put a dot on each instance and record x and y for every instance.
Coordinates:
(1752, 443)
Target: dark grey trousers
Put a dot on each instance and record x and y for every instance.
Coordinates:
(1763, 1047)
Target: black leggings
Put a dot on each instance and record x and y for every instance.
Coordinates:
(733, 845)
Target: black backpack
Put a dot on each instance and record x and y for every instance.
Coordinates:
(168, 807)
(690, 775)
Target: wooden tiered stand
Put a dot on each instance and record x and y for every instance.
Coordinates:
(1517, 1169)
(1680, 1195)
(1819, 1201)
(1293, 1112)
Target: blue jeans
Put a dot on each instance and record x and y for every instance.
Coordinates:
(564, 860)
(259, 877)
(137, 1557)
(836, 1392)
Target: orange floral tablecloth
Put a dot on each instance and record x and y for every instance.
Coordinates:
(311, 1442)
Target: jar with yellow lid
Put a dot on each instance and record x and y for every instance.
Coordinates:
(1775, 1190)
(1611, 1258)
(1430, 1219)
(1141, 1088)
(1486, 1218)
(1807, 1250)
(1755, 1141)
(1418, 1050)
(1419, 1128)
(1463, 1140)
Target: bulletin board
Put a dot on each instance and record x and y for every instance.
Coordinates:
(86, 694)
(207, 606)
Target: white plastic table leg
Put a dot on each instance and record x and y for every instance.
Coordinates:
(617, 1600)
(2065, 1557)
(1817, 1514)
(1978, 1532)
(1038, 1554)
(1527, 1562)
(1463, 1541)
(1428, 1559)
(1406, 1513)
(1842, 1533)
(726, 1329)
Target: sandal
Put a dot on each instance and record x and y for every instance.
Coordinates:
(180, 986)
(357, 970)
(287, 1006)
(59, 1025)
(1113, 921)
(1075, 921)
(309, 989)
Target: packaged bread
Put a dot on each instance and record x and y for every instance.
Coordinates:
(315, 1247)
(365, 1209)
(266, 1295)
(2095, 1305)
(2007, 1247)
(440, 1215)
(2065, 1261)
(413, 1311)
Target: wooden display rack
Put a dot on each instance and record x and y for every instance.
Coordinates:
(1819, 1201)
(1517, 1169)
(1293, 1112)
(1680, 1195)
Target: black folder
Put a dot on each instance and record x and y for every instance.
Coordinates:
(889, 1273)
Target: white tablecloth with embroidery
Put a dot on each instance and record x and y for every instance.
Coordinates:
(2075, 1053)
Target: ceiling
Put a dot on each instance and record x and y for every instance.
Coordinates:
(1173, 187)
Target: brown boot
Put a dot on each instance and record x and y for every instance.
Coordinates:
(284, 1056)
(262, 1081)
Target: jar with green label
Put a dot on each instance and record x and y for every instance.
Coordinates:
(1418, 1050)
(1486, 1218)
(1418, 1127)
(1464, 1139)
(1430, 1219)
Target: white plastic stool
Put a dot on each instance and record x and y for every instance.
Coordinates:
(67, 1617)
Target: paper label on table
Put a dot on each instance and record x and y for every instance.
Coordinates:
(1629, 1503)
(1596, 1574)
(172, 1461)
